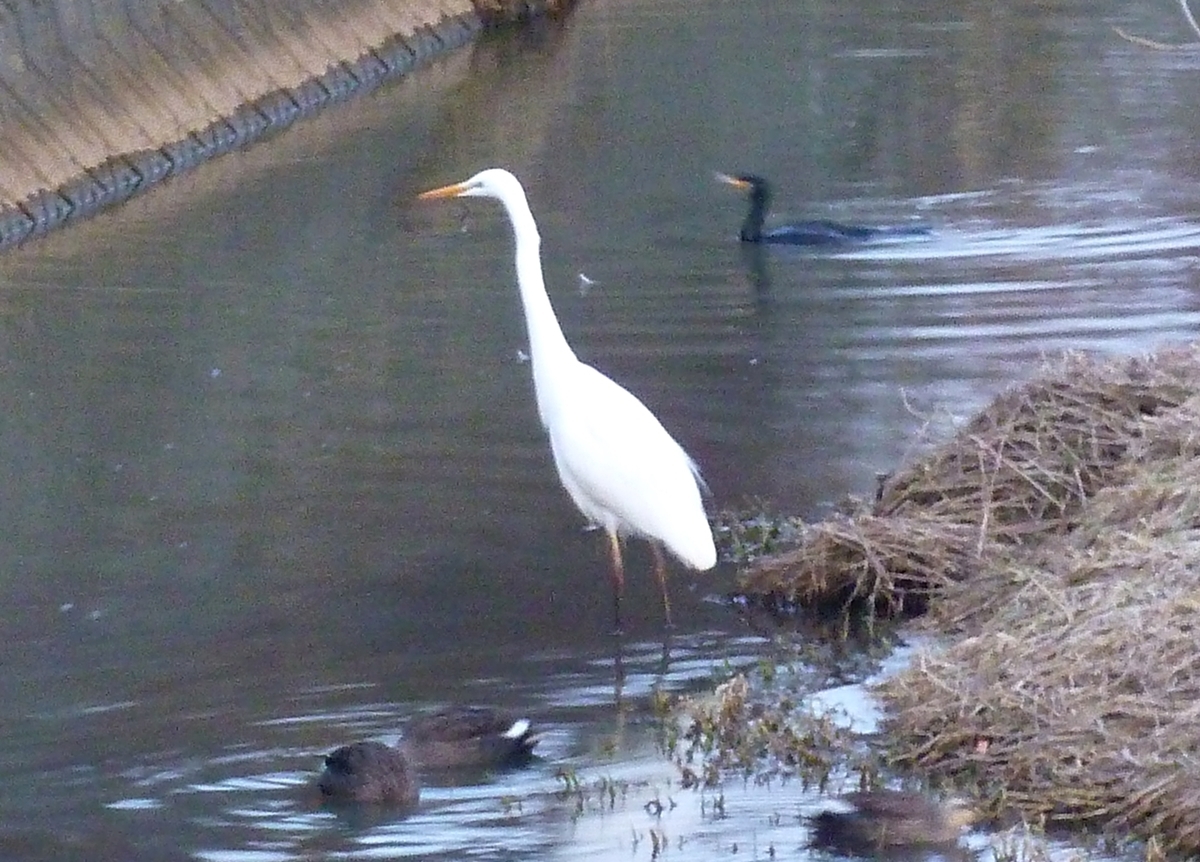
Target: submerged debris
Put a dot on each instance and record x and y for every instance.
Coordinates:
(742, 728)
(751, 531)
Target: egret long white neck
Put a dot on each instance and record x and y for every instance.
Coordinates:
(548, 347)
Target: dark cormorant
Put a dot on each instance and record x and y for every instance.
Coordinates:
(811, 232)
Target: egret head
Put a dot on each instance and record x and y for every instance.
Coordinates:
(492, 183)
(499, 184)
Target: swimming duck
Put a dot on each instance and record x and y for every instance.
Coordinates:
(472, 736)
(875, 820)
(369, 772)
(455, 737)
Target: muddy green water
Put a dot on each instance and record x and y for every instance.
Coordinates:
(269, 461)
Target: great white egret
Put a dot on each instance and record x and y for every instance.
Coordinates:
(809, 232)
(450, 738)
(617, 462)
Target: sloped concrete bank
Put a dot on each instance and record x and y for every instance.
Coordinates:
(100, 100)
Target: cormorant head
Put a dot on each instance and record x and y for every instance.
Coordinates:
(760, 198)
(759, 188)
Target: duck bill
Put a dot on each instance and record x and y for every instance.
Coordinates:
(450, 191)
(733, 181)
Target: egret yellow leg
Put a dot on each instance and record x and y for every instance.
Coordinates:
(660, 569)
(618, 575)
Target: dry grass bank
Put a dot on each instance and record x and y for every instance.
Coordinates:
(1055, 538)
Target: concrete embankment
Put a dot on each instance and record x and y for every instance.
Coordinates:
(102, 99)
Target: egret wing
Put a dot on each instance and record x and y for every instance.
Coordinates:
(624, 470)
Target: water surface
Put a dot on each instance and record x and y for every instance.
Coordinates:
(272, 472)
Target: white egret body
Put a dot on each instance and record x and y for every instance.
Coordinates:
(620, 466)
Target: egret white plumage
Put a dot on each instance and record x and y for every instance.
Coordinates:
(622, 469)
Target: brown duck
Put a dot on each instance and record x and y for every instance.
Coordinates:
(456, 737)
(880, 820)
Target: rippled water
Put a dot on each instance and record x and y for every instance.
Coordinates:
(272, 474)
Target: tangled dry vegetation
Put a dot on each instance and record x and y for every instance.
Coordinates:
(884, 566)
(1060, 533)
(1018, 473)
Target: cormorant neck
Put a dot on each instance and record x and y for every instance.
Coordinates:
(752, 226)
